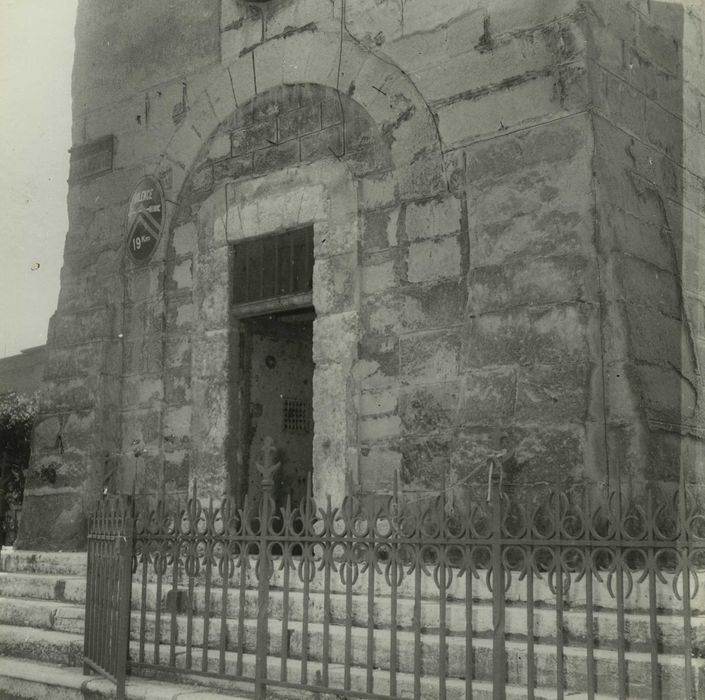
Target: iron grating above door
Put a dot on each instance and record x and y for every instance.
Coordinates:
(274, 266)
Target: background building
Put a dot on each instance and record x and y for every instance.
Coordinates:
(397, 237)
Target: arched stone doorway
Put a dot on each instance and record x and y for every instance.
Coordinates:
(294, 157)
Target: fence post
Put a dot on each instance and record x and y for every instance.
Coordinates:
(267, 470)
(125, 548)
(499, 659)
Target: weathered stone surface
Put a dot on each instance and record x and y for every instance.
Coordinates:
(334, 284)
(547, 454)
(424, 463)
(434, 260)
(506, 215)
(556, 334)
(379, 228)
(429, 357)
(433, 218)
(334, 338)
(376, 428)
(530, 101)
(378, 465)
(489, 395)
(53, 522)
(550, 393)
(545, 281)
(414, 307)
(378, 366)
(377, 403)
(430, 408)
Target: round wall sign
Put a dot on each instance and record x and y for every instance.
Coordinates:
(145, 218)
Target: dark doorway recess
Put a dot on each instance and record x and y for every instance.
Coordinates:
(278, 400)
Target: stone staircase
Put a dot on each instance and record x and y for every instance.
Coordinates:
(41, 623)
(42, 598)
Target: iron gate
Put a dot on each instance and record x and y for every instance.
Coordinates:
(547, 590)
(108, 590)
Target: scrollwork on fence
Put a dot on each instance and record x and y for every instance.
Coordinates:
(556, 534)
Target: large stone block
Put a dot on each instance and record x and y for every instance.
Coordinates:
(415, 307)
(656, 338)
(507, 107)
(141, 390)
(70, 394)
(377, 403)
(379, 428)
(668, 395)
(433, 260)
(378, 466)
(141, 428)
(210, 351)
(638, 239)
(544, 281)
(554, 393)
(489, 395)
(335, 338)
(378, 275)
(378, 366)
(433, 218)
(546, 454)
(488, 163)
(380, 228)
(53, 522)
(429, 357)
(142, 354)
(334, 284)
(648, 285)
(430, 408)
(425, 463)
(547, 211)
(75, 328)
(177, 387)
(553, 335)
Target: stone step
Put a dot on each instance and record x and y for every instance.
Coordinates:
(69, 620)
(25, 680)
(429, 644)
(603, 586)
(575, 677)
(636, 630)
(70, 589)
(58, 563)
(49, 646)
(73, 564)
(42, 614)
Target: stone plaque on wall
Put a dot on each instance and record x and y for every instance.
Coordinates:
(91, 159)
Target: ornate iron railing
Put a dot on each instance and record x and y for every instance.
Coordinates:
(552, 589)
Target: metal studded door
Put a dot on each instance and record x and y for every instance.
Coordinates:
(280, 401)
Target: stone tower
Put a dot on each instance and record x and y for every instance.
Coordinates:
(396, 236)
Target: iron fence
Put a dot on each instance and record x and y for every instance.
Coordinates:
(544, 591)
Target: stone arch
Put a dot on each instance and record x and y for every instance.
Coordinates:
(384, 91)
(222, 202)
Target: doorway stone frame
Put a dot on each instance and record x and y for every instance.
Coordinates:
(323, 195)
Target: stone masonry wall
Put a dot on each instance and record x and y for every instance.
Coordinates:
(647, 74)
(489, 228)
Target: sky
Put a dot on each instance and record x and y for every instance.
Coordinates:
(36, 56)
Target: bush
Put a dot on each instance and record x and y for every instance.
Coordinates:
(17, 413)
